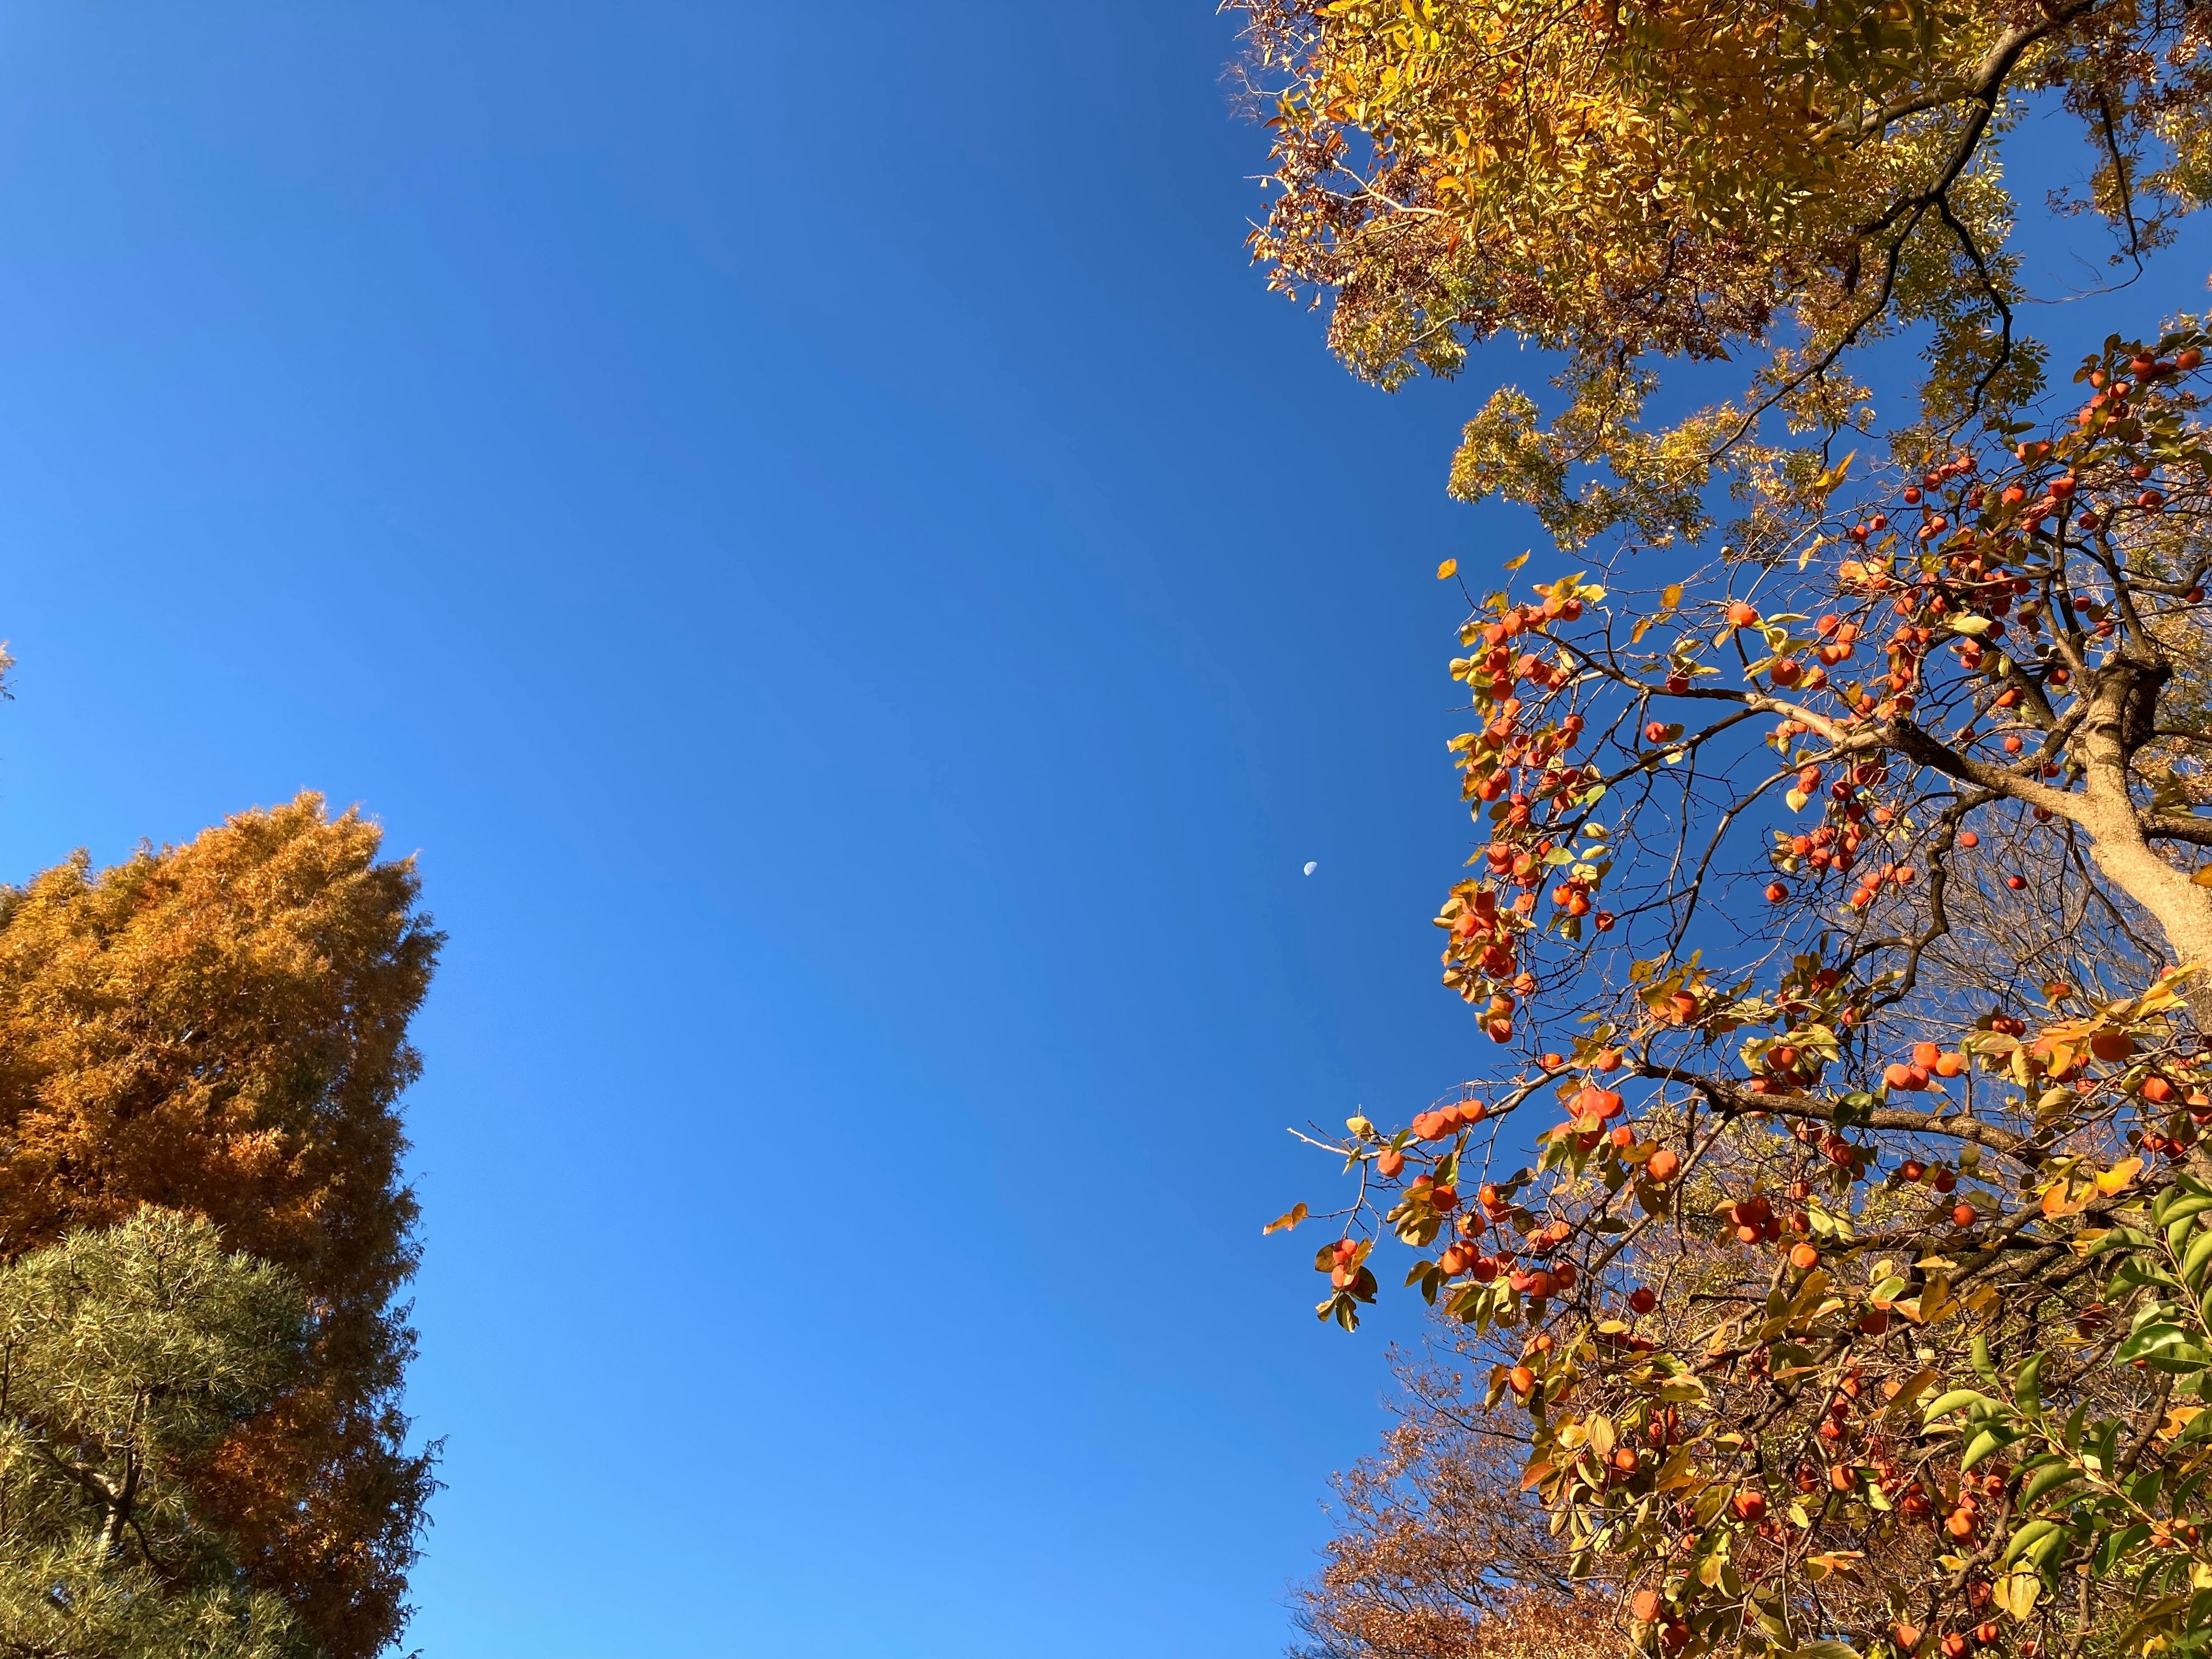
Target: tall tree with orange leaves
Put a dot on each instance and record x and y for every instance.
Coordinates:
(220, 1028)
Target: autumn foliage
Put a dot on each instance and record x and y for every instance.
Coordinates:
(1439, 1554)
(1838, 901)
(1764, 184)
(220, 1028)
(1828, 1253)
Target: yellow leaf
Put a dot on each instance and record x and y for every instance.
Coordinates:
(1447, 570)
(1284, 1222)
(1515, 564)
(2118, 1175)
(1671, 597)
(2203, 877)
(1900, 1407)
(1931, 1304)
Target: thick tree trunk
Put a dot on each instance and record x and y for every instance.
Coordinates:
(2120, 721)
(2182, 909)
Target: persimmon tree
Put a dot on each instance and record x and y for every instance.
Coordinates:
(1835, 1218)
(1772, 183)
(220, 1028)
(1843, 910)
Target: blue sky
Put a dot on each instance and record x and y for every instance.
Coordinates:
(806, 520)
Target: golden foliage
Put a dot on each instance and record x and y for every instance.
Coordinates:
(1439, 1554)
(1695, 179)
(220, 1028)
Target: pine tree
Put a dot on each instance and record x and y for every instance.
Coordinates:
(126, 1355)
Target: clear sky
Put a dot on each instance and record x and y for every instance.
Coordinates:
(805, 519)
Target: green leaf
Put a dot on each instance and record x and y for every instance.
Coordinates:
(2115, 1239)
(2177, 1202)
(2166, 1347)
(1978, 1353)
(2048, 1479)
(2192, 1264)
(1984, 1443)
(2112, 1546)
(1958, 1400)
(2028, 1537)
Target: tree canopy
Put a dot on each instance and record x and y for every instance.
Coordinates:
(220, 1028)
(1831, 1247)
(1843, 903)
(1773, 182)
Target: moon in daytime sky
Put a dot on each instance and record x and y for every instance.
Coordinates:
(1310, 868)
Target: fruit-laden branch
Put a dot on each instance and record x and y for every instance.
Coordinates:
(1881, 1149)
(1732, 1098)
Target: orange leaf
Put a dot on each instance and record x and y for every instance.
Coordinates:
(2057, 1201)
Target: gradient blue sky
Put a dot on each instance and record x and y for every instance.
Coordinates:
(806, 519)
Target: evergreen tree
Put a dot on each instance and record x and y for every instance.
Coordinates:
(127, 1354)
